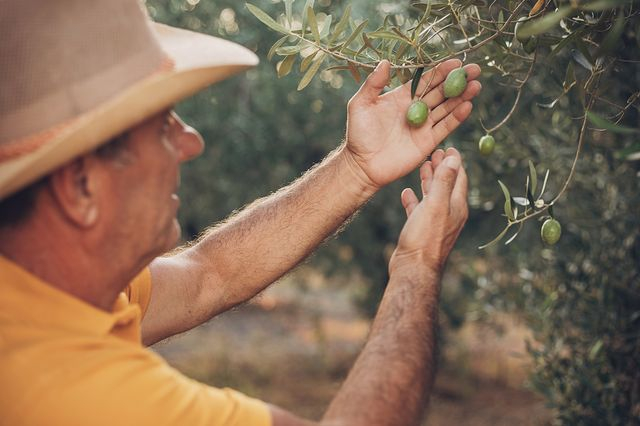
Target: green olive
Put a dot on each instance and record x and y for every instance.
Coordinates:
(551, 231)
(455, 83)
(417, 113)
(486, 144)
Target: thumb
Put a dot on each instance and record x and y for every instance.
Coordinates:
(444, 181)
(375, 83)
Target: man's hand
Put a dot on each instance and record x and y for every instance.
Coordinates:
(433, 224)
(381, 147)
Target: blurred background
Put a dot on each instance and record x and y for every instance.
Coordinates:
(530, 334)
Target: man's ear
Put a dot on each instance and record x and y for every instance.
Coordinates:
(75, 186)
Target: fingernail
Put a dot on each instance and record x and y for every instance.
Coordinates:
(452, 162)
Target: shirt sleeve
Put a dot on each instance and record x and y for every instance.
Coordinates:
(139, 290)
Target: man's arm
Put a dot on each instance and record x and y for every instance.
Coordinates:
(391, 380)
(240, 257)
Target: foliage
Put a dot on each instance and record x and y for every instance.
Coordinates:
(502, 32)
(567, 103)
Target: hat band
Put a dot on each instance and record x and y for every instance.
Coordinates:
(31, 143)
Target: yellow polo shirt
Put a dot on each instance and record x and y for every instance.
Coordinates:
(65, 363)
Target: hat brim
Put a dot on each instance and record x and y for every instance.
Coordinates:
(198, 61)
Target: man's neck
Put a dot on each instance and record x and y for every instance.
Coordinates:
(63, 261)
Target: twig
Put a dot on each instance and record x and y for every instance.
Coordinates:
(515, 103)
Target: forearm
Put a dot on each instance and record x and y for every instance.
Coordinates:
(393, 375)
(256, 246)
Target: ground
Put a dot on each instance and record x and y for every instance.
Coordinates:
(293, 346)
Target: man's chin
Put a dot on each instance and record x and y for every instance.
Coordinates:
(172, 238)
(174, 235)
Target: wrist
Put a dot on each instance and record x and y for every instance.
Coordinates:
(421, 280)
(356, 180)
(417, 263)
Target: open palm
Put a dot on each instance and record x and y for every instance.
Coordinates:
(380, 141)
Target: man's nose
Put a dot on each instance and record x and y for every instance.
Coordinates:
(188, 141)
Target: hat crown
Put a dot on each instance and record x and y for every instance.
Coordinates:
(62, 58)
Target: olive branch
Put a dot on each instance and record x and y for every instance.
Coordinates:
(503, 34)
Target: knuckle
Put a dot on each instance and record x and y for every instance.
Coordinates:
(448, 176)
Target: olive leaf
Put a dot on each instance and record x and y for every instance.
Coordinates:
(341, 25)
(266, 19)
(508, 210)
(311, 72)
(306, 62)
(602, 123)
(533, 177)
(569, 78)
(630, 153)
(367, 43)
(522, 201)
(275, 46)
(507, 203)
(595, 349)
(288, 7)
(417, 75)
(580, 57)
(496, 239)
(565, 42)
(326, 26)
(311, 21)
(418, 28)
(545, 23)
(307, 5)
(354, 72)
(388, 35)
(286, 65)
(532, 203)
(513, 237)
(288, 50)
(544, 184)
(355, 34)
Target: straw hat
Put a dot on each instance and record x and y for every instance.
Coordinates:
(74, 74)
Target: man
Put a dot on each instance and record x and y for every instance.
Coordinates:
(89, 163)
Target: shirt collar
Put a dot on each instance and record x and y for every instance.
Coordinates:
(26, 298)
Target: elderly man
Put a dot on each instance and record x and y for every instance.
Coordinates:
(90, 153)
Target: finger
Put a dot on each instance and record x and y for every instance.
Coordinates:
(439, 73)
(436, 95)
(409, 200)
(459, 196)
(452, 151)
(444, 180)
(426, 177)
(436, 158)
(445, 108)
(374, 84)
(451, 121)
